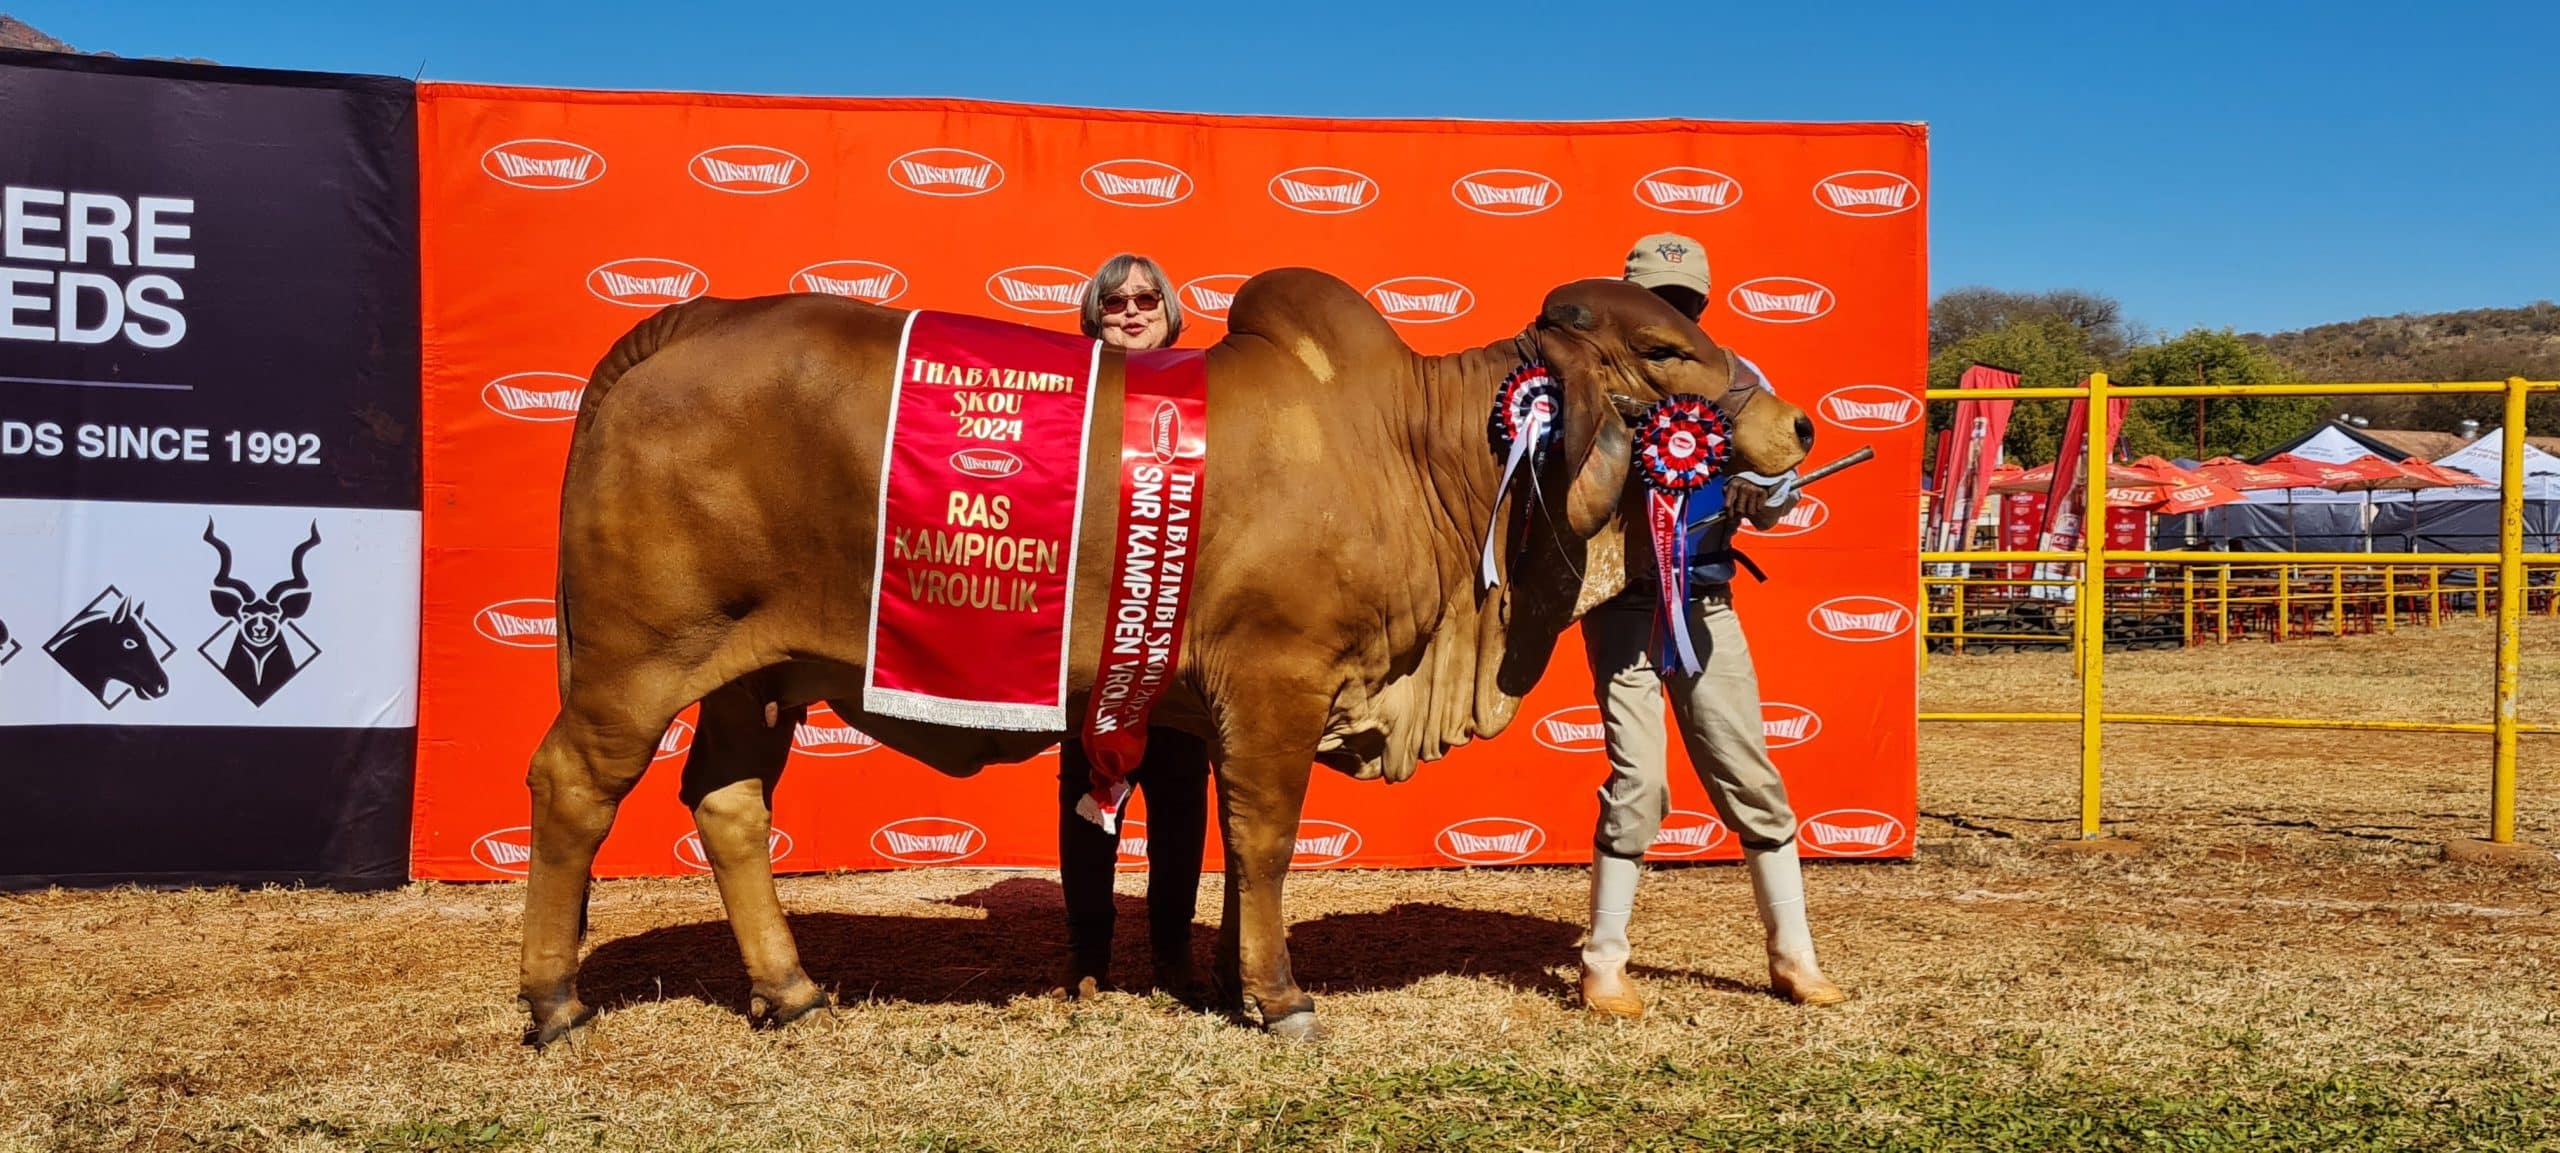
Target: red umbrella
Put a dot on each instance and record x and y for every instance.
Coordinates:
(2322, 473)
(2204, 494)
(2040, 478)
(2247, 477)
(2374, 474)
(2180, 490)
(2443, 476)
(2366, 474)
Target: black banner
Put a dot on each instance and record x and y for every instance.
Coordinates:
(208, 284)
(209, 473)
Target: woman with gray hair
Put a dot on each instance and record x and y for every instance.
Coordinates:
(1129, 305)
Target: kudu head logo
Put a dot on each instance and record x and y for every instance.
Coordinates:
(111, 643)
(261, 657)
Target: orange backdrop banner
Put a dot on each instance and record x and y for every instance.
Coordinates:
(554, 220)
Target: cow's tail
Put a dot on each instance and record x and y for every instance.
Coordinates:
(643, 341)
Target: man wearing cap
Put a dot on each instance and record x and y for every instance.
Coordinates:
(1718, 710)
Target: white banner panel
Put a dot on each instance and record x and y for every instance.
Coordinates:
(130, 613)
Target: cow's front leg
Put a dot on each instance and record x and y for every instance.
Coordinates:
(1259, 799)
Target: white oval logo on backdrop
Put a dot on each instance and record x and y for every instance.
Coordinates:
(747, 169)
(928, 840)
(946, 172)
(1490, 840)
(1781, 299)
(527, 627)
(1696, 191)
(1577, 729)
(543, 165)
(1038, 288)
(1322, 843)
(1851, 832)
(539, 397)
(1860, 618)
(646, 282)
(821, 733)
(508, 851)
(1866, 192)
(853, 279)
(1137, 183)
(1421, 299)
(1322, 190)
(1212, 295)
(1506, 191)
(1869, 408)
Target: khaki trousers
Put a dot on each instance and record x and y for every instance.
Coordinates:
(1719, 717)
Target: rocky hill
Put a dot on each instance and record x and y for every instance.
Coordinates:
(14, 33)
(2474, 344)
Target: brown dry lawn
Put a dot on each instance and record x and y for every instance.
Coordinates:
(2291, 965)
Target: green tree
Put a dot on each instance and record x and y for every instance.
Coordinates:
(1962, 313)
(2240, 426)
(2047, 351)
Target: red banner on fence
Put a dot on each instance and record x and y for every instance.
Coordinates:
(554, 220)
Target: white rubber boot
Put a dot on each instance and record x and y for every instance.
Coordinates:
(1777, 885)
(1605, 985)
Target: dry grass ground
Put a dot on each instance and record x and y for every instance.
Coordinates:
(2290, 966)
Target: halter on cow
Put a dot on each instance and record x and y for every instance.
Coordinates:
(718, 530)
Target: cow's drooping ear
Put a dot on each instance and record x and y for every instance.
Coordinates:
(226, 603)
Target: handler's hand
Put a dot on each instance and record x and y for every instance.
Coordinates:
(1744, 499)
(1760, 500)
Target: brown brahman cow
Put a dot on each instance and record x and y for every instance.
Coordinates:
(717, 535)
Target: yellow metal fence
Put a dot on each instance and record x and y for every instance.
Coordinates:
(2508, 597)
(2218, 603)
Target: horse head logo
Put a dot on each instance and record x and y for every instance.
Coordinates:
(112, 643)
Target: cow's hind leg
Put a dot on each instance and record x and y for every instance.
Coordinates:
(729, 784)
(579, 776)
(1262, 788)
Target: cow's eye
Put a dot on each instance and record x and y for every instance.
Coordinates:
(1664, 353)
(131, 643)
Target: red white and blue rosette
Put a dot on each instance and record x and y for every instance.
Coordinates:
(1682, 443)
(1681, 447)
(1522, 427)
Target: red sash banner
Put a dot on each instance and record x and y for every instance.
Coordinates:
(981, 494)
(1164, 448)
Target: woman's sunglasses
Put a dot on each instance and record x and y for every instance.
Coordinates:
(1146, 302)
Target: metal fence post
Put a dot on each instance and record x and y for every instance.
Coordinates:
(2502, 776)
(2093, 607)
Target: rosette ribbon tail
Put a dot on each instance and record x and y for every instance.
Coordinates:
(1674, 649)
(1520, 446)
(1103, 803)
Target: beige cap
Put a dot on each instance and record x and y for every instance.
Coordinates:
(1668, 258)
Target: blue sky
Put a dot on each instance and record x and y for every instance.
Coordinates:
(2252, 165)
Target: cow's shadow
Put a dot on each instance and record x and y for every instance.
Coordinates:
(1015, 944)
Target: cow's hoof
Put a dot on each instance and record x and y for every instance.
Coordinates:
(559, 1022)
(775, 1012)
(1298, 1026)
